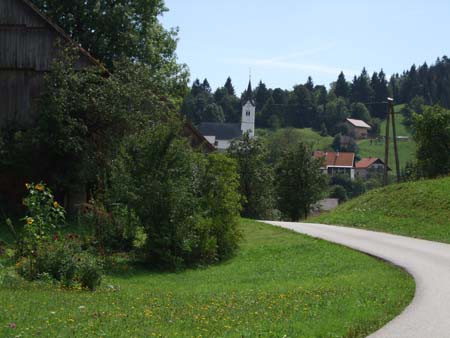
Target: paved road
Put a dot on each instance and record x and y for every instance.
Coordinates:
(428, 315)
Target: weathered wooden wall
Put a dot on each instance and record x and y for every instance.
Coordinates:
(28, 44)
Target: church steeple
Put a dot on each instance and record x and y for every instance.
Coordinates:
(248, 95)
(248, 112)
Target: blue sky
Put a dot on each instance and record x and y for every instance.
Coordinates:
(285, 41)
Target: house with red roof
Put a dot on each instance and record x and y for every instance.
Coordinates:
(335, 163)
(369, 165)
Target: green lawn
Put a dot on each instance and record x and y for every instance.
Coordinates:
(417, 209)
(280, 284)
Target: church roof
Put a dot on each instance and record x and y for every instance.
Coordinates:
(248, 95)
(222, 131)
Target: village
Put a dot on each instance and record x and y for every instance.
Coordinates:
(138, 201)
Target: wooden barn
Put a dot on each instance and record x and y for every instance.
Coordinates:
(28, 44)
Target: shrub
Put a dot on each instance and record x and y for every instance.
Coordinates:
(171, 190)
(432, 134)
(339, 192)
(58, 260)
(62, 260)
(88, 270)
(111, 230)
(43, 253)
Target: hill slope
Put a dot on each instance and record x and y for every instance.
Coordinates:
(416, 209)
(406, 149)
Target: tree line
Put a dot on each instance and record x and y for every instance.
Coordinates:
(316, 106)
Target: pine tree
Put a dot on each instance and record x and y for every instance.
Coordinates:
(261, 96)
(196, 88)
(229, 87)
(342, 87)
(361, 91)
(205, 86)
(309, 84)
(381, 92)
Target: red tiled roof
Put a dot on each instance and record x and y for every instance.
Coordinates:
(336, 159)
(366, 162)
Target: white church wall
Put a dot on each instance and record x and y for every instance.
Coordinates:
(248, 119)
(210, 139)
(222, 144)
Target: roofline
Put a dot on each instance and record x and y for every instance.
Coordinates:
(198, 134)
(339, 166)
(349, 120)
(64, 34)
(103, 68)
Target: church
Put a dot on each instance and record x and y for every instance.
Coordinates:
(220, 135)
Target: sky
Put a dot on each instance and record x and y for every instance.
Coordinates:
(283, 42)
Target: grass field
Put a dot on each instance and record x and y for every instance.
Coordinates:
(306, 135)
(280, 284)
(406, 149)
(417, 209)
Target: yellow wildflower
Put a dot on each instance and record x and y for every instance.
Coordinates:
(27, 185)
(39, 187)
(30, 220)
(55, 204)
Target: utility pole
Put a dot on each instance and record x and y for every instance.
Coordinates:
(394, 135)
(386, 146)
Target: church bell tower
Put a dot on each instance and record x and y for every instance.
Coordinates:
(248, 112)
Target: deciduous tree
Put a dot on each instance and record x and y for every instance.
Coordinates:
(300, 183)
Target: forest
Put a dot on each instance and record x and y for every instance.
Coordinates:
(322, 108)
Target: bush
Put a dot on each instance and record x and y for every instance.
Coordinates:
(89, 270)
(62, 260)
(111, 230)
(352, 187)
(184, 202)
(432, 134)
(339, 192)
(43, 253)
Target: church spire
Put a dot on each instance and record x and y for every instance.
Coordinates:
(248, 96)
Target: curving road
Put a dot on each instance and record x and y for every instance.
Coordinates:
(428, 315)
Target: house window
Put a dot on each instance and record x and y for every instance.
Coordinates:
(216, 143)
(247, 113)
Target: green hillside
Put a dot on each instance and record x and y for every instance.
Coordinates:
(374, 148)
(417, 209)
(282, 137)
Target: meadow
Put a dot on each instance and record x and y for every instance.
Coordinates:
(280, 284)
(375, 148)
